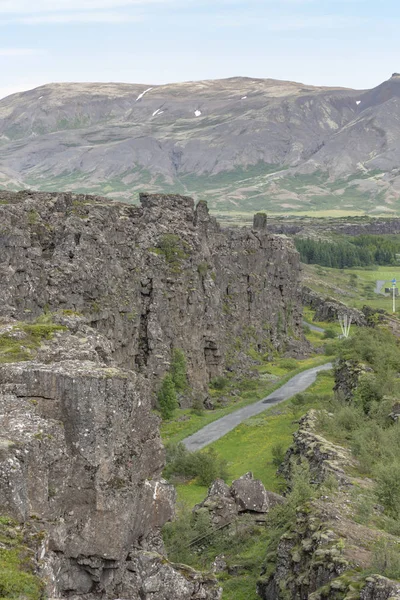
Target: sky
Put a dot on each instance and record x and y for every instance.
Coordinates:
(350, 43)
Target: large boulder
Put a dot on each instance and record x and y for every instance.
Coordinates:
(245, 495)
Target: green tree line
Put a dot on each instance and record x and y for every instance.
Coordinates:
(360, 251)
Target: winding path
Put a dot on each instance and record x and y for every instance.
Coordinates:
(212, 432)
(314, 327)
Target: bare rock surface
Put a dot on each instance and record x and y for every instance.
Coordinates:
(149, 279)
(245, 495)
(329, 309)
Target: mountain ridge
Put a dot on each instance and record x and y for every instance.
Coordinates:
(243, 144)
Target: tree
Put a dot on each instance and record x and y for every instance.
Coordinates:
(166, 397)
(178, 370)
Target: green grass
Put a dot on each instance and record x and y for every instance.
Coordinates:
(17, 579)
(248, 447)
(186, 423)
(22, 341)
(338, 283)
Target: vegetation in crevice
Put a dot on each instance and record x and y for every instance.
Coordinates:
(17, 570)
(19, 342)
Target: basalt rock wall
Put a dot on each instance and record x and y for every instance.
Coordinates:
(115, 288)
(150, 278)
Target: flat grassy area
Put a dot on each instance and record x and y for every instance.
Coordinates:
(249, 446)
(186, 422)
(354, 287)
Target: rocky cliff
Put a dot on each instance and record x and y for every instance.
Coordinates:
(149, 278)
(93, 297)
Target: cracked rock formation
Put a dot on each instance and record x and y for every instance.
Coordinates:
(150, 278)
(94, 296)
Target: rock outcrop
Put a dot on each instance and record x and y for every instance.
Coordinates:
(323, 457)
(348, 374)
(324, 553)
(149, 278)
(245, 495)
(81, 457)
(94, 296)
(329, 309)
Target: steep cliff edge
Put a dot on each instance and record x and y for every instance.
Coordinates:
(150, 278)
(94, 296)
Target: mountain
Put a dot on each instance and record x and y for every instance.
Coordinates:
(242, 144)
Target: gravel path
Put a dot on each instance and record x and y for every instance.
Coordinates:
(212, 432)
(314, 327)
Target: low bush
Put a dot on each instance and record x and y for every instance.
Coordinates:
(205, 466)
(278, 452)
(386, 559)
(219, 383)
(387, 477)
(288, 363)
(178, 370)
(329, 334)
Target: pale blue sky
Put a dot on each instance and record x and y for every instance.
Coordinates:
(352, 43)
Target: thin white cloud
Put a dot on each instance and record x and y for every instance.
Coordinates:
(27, 7)
(19, 52)
(77, 17)
(282, 24)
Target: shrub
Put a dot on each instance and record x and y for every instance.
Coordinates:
(369, 390)
(388, 486)
(386, 559)
(278, 452)
(206, 466)
(166, 397)
(329, 334)
(288, 363)
(219, 383)
(299, 400)
(209, 467)
(178, 370)
(197, 407)
(174, 250)
(330, 349)
(179, 534)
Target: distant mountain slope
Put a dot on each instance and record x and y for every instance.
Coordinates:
(244, 144)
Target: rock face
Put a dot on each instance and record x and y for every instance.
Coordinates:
(81, 458)
(245, 495)
(149, 278)
(94, 296)
(329, 309)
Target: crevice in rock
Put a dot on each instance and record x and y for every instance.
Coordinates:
(142, 356)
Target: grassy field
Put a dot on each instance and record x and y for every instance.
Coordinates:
(354, 287)
(186, 422)
(249, 446)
